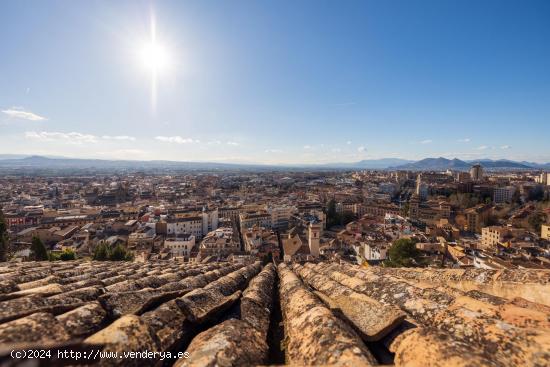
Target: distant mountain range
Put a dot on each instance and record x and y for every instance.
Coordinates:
(440, 164)
(29, 163)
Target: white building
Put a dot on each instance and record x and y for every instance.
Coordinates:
(180, 245)
(209, 221)
(280, 215)
(197, 224)
(544, 178)
(375, 251)
(260, 219)
(186, 225)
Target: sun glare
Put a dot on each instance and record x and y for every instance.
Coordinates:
(154, 57)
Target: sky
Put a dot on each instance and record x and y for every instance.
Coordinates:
(276, 81)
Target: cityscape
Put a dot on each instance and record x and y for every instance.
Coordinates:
(297, 204)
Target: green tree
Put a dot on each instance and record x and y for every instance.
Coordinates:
(536, 194)
(38, 250)
(536, 220)
(3, 238)
(67, 254)
(101, 252)
(332, 216)
(120, 253)
(403, 252)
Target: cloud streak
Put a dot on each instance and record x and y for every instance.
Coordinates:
(119, 137)
(70, 138)
(20, 113)
(176, 139)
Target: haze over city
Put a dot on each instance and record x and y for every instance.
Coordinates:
(280, 82)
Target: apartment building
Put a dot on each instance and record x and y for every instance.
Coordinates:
(492, 236)
(503, 195)
(180, 246)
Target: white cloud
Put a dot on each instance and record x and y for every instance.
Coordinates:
(426, 141)
(176, 139)
(307, 147)
(118, 137)
(361, 149)
(505, 147)
(232, 143)
(483, 147)
(273, 151)
(217, 142)
(336, 150)
(348, 142)
(465, 140)
(19, 113)
(70, 138)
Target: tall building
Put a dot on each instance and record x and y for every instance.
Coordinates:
(314, 238)
(503, 194)
(421, 188)
(476, 172)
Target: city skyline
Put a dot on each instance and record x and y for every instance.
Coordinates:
(276, 83)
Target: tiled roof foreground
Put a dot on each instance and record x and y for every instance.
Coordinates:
(224, 314)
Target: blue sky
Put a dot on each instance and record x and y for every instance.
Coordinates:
(277, 81)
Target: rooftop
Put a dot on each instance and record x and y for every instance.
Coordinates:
(227, 313)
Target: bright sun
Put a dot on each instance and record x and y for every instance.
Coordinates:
(154, 57)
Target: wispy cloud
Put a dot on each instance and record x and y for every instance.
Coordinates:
(273, 151)
(307, 147)
(465, 140)
(348, 142)
(361, 149)
(233, 143)
(20, 113)
(505, 147)
(70, 138)
(426, 141)
(336, 150)
(483, 147)
(118, 137)
(176, 139)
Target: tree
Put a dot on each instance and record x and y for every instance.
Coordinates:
(536, 220)
(38, 250)
(536, 194)
(516, 198)
(331, 213)
(67, 254)
(403, 252)
(120, 253)
(3, 238)
(101, 252)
